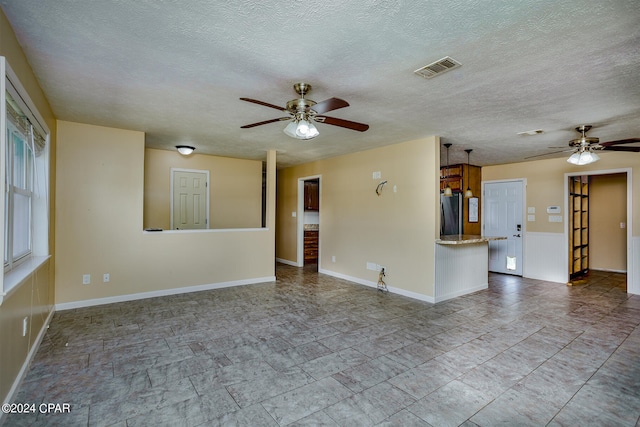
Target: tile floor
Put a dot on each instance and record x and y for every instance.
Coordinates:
(313, 350)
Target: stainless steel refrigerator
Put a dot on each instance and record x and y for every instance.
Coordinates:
(451, 214)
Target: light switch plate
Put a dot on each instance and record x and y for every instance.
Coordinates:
(531, 218)
(555, 218)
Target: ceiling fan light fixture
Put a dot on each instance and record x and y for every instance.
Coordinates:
(185, 150)
(301, 129)
(290, 129)
(583, 157)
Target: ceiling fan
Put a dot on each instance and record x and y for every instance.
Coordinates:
(583, 148)
(303, 112)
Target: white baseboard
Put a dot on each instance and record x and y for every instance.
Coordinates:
(286, 261)
(161, 293)
(27, 363)
(371, 284)
(608, 270)
(460, 293)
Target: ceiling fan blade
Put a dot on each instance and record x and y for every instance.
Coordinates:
(361, 127)
(621, 148)
(548, 154)
(266, 104)
(329, 105)
(265, 122)
(616, 145)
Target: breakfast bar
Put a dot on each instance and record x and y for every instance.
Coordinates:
(462, 265)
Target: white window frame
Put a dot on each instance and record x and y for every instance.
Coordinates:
(21, 268)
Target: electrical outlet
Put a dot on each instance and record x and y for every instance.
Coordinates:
(86, 279)
(372, 266)
(377, 175)
(333, 258)
(106, 277)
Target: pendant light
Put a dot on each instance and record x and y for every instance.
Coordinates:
(447, 189)
(468, 193)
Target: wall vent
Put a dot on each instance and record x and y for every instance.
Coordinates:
(440, 66)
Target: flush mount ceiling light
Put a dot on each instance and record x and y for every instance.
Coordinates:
(185, 150)
(303, 112)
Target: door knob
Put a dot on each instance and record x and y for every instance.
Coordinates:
(516, 235)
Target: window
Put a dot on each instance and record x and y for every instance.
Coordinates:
(25, 165)
(19, 178)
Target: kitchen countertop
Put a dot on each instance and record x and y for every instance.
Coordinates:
(465, 239)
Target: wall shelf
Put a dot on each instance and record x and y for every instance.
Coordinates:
(579, 224)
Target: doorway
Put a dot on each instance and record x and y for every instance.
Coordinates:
(608, 244)
(189, 199)
(502, 217)
(309, 191)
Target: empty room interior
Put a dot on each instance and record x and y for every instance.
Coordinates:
(341, 213)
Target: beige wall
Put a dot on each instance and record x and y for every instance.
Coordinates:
(33, 298)
(396, 230)
(545, 184)
(235, 195)
(607, 209)
(99, 226)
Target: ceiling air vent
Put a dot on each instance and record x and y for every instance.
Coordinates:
(442, 65)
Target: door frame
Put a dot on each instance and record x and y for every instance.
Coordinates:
(628, 171)
(204, 171)
(523, 182)
(300, 217)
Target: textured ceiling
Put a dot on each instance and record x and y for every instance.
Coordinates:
(176, 70)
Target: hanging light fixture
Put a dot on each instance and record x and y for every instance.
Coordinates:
(584, 154)
(468, 193)
(185, 150)
(301, 127)
(447, 190)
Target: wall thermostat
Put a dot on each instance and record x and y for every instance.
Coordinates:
(553, 209)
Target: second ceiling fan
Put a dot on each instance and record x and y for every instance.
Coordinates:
(303, 112)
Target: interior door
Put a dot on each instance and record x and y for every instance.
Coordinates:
(190, 200)
(503, 218)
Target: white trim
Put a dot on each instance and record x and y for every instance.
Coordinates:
(210, 230)
(632, 286)
(608, 270)
(462, 292)
(286, 261)
(208, 185)
(161, 293)
(16, 276)
(300, 217)
(371, 284)
(27, 362)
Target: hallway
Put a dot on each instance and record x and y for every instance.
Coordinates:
(311, 349)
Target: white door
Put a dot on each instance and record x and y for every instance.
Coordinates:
(503, 218)
(190, 199)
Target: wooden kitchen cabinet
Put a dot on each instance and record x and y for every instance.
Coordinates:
(459, 177)
(310, 247)
(312, 195)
